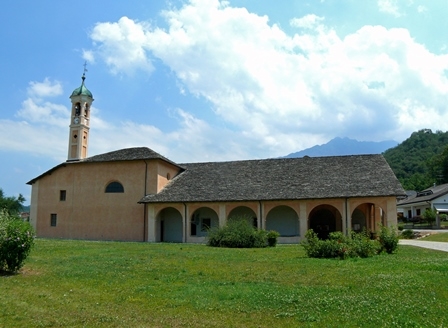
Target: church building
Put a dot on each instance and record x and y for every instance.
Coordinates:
(136, 194)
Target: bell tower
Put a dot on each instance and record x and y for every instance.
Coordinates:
(78, 143)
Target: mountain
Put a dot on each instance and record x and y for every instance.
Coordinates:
(345, 146)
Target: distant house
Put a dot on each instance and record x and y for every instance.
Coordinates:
(25, 216)
(136, 194)
(415, 204)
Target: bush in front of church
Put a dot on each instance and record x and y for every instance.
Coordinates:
(16, 241)
(340, 246)
(239, 233)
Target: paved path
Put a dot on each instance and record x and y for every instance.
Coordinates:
(437, 245)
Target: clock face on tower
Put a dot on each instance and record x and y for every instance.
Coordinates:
(76, 120)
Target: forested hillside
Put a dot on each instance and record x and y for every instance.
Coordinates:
(421, 160)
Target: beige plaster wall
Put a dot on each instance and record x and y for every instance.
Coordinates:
(88, 212)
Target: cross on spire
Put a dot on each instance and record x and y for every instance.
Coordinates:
(84, 72)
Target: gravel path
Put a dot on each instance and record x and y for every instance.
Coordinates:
(437, 245)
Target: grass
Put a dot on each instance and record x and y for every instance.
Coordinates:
(443, 236)
(112, 284)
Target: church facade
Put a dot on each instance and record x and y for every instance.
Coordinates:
(136, 194)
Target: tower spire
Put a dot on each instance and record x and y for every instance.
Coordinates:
(84, 72)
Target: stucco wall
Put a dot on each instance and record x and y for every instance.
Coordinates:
(88, 212)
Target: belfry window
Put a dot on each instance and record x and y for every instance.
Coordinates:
(77, 109)
(114, 187)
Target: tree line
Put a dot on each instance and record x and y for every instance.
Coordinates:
(421, 160)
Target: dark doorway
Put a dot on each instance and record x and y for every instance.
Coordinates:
(323, 221)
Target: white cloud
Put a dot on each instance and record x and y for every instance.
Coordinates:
(88, 55)
(308, 21)
(42, 128)
(121, 45)
(285, 92)
(389, 7)
(422, 9)
(44, 89)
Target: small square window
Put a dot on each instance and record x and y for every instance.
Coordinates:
(54, 218)
(62, 195)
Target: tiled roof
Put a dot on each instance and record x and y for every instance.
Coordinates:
(127, 154)
(425, 195)
(282, 179)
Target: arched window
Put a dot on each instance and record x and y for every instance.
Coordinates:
(77, 109)
(114, 187)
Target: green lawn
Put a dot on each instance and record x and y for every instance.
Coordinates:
(112, 284)
(443, 236)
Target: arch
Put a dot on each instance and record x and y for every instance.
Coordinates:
(368, 216)
(244, 212)
(358, 220)
(284, 220)
(77, 109)
(202, 220)
(324, 219)
(114, 187)
(169, 225)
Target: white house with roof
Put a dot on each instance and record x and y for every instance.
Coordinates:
(416, 203)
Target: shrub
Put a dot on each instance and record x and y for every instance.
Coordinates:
(430, 215)
(238, 233)
(335, 246)
(16, 241)
(388, 239)
(407, 234)
(272, 237)
(362, 245)
(340, 246)
(443, 217)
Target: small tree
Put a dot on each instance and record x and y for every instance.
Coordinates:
(388, 239)
(13, 205)
(16, 241)
(430, 215)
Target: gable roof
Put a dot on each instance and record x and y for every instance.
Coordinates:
(127, 154)
(426, 195)
(282, 179)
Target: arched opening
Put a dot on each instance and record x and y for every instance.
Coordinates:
(77, 109)
(202, 220)
(284, 220)
(114, 187)
(367, 216)
(325, 219)
(359, 222)
(169, 225)
(244, 212)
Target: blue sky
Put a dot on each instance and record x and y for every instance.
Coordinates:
(206, 80)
